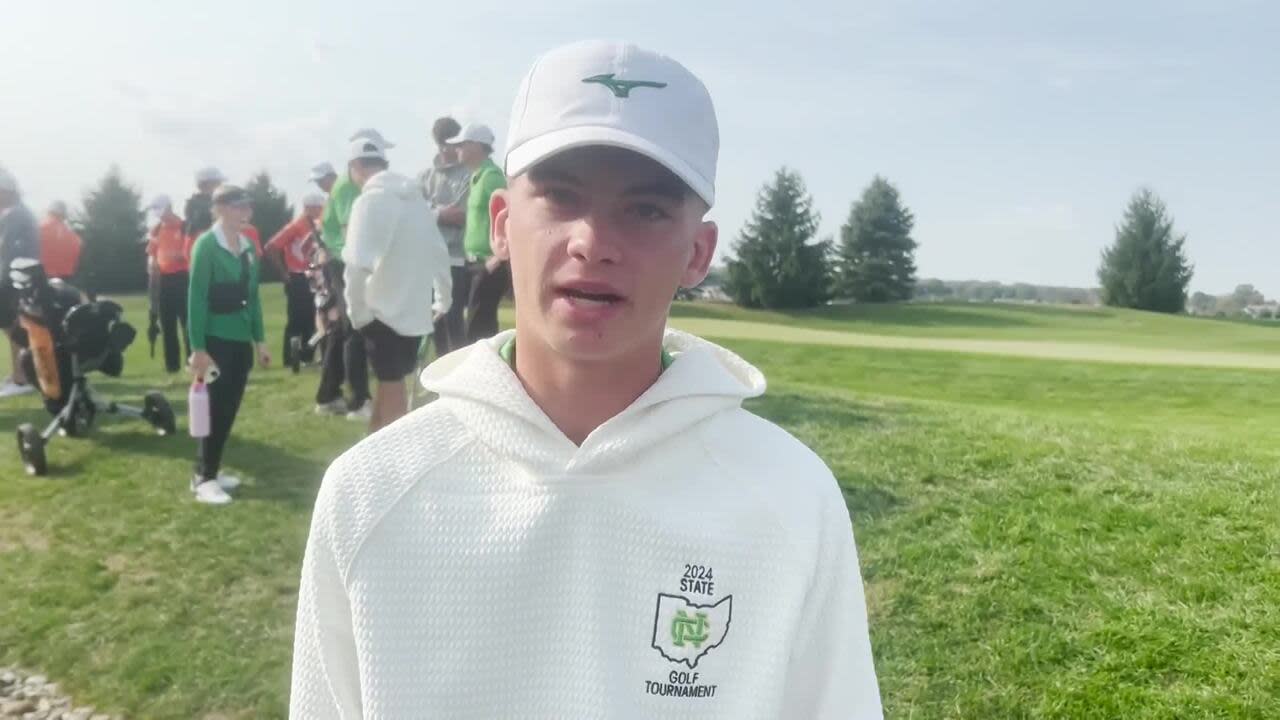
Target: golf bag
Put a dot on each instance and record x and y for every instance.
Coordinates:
(64, 337)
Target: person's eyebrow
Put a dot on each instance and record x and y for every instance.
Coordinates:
(673, 190)
(539, 174)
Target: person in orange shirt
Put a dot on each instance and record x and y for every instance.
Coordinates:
(167, 265)
(59, 244)
(290, 252)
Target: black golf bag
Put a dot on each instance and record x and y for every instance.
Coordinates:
(64, 337)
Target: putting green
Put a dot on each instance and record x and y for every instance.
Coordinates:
(740, 330)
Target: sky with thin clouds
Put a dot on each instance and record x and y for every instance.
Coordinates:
(1016, 131)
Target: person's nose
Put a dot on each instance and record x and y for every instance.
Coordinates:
(592, 239)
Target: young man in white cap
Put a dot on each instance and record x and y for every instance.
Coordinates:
(344, 350)
(393, 256)
(587, 523)
(324, 176)
(445, 185)
(168, 267)
(60, 246)
(290, 252)
(489, 276)
(19, 238)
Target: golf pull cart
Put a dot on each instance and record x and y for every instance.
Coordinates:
(64, 337)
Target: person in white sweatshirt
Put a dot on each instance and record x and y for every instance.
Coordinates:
(587, 523)
(394, 256)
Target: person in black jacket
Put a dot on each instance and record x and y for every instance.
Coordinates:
(19, 238)
(198, 212)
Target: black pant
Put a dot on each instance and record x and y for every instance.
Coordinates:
(173, 312)
(344, 358)
(487, 290)
(234, 358)
(301, 314)
(450, 330)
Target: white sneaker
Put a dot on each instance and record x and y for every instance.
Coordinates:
(228, 482)
(9, 388)
(337, 407)
(210, 493)
(364, 412)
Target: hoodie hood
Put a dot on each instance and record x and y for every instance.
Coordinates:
(391, 183)
(484, 393)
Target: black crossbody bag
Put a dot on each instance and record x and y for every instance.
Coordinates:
(231, 297)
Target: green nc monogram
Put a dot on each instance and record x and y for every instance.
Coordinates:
(692, 630)
(622, 88)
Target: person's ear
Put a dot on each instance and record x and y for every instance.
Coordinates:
(499, 210)
(704, 250)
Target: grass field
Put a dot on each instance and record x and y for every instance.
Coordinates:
(1040, 537)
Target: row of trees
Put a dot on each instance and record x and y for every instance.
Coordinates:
(983, 291)
(1245, 300)
(780, 264)
(112, 223)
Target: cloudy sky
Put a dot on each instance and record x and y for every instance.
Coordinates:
(1016, 131)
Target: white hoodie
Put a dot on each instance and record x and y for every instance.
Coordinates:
(394, 253)
(689, 560)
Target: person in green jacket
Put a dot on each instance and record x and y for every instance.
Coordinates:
(225, 323)
(490, 276)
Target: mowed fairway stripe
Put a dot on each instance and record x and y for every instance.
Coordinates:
(740, 330)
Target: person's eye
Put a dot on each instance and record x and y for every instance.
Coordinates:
(649, 212)
(560, 196)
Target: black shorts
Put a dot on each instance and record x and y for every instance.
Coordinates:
(391, 355)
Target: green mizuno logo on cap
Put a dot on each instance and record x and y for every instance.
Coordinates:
(622, 88)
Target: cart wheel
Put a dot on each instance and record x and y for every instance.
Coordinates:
(31, 447)
(295, 354)
(157, 411)
(79, 420)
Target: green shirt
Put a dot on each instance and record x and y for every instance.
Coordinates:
(337, 212)
(484, 181)
(210, 263)
(508, 354)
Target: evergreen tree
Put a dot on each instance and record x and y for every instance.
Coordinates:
(876, 259)
(114, 256)
(777, 264)
(1146, 268)
(271, 212)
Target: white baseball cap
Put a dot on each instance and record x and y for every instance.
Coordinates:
(8, 181)
(313, 200)
(364, 147)
(373, 135)
(472, 132)
(321, 171)
(616, 94)
(209, 174)
(160, 203)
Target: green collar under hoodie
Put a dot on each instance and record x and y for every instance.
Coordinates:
(212, 261)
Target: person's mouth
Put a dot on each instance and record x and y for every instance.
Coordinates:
(590, 294)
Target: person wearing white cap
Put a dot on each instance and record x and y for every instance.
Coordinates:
(19, 238)
(324, 176)
(290, 252)
(198, 212)
(489, 276)
(59, 245)
(394, 257)
(445, 185)
(168, 270)
(344, 351)
(587, 522)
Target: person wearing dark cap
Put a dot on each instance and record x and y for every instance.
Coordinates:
(225, 320)
(445, 185)
(19, 238)
(198, 212)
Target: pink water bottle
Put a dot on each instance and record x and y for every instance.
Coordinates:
(198, 410)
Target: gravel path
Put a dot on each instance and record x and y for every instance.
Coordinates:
(33, 697)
